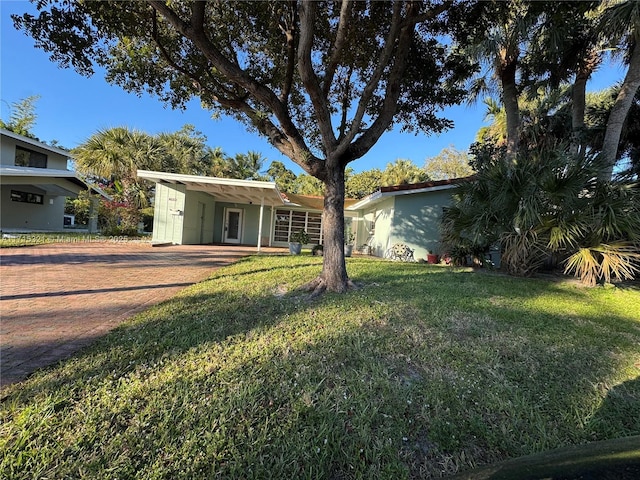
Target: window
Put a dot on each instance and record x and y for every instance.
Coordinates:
(26, 197)
(291, 221)
(29, 158)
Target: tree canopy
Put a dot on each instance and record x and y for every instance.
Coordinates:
(321, 80)
(449, 163)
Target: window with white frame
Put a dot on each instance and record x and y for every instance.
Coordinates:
(291, 221)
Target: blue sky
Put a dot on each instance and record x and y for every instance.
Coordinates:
(72, 107)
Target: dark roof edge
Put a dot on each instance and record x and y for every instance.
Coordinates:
(424, 185)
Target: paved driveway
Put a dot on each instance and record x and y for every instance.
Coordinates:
(57, 298)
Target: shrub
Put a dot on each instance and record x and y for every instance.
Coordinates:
(549, 202)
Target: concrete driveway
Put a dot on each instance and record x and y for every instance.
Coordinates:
(57, 298)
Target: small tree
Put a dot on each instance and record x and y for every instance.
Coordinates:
(449, 163)
(23, 116)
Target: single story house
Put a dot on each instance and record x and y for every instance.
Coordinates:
(191, 209)
(34, 182)
(408, 214)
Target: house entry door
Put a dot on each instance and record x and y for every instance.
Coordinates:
(233, 226)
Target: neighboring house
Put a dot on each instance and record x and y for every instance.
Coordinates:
(34, 182)
(192, 209)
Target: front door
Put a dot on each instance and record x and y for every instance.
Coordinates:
(233, 226)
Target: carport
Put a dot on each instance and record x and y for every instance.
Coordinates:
(193, 209)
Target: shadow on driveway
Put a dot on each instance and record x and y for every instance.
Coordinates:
(58, 298)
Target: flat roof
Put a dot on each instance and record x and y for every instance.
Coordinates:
(44, 173)
(408, 189)
(229, 190)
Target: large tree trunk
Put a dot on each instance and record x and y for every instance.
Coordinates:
(334, 270)
(619, 114)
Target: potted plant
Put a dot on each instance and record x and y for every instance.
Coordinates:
(296, 241)
(432, 258)
(349, 238)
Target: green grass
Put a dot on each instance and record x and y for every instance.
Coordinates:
(422, 372)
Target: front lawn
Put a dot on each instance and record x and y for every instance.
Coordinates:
(424, 371)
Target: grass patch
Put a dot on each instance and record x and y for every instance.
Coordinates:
(423, 372)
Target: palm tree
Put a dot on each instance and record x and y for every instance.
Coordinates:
(566, 46)
(620, 23)
(498, 49)
(548, 203)
(116, 154)
(402, 172)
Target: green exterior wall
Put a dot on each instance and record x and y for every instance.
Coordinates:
(168, 219)
(250, 220)
(194, 230)
(381, 217)
(417, 221)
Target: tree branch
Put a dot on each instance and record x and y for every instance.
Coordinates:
(310, 80)
(346, 93)
(289, 32)
(167, 57)
(372, 84)
(392, 92)
(341, 34)
(194, 31)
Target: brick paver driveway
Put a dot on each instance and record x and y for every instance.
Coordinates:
(58, 298)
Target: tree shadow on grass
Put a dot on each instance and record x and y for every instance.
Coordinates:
(613, 455)
(261, 385)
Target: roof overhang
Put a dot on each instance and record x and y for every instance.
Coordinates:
(34, 143)
(228, 190)
(51, 180)
(411, 189)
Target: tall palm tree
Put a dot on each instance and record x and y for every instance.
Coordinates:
(498, 50)
(620, 23)
(566, 47)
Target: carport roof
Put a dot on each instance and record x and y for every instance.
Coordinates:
(224, 189)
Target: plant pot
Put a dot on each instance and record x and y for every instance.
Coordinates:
(295, 248)
(348, 250)
(432, 258)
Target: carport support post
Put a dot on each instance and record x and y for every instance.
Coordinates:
(260, 223)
